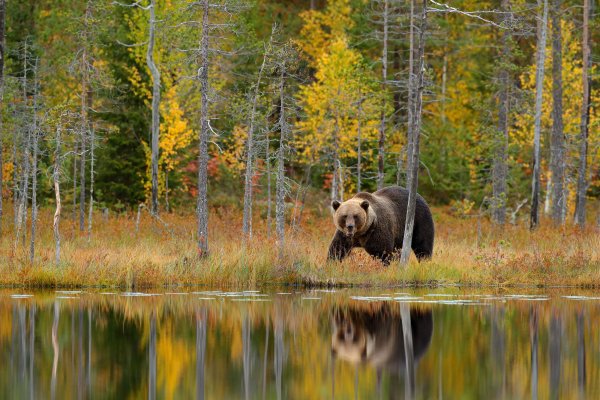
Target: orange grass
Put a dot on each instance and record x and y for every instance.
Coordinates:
(164, 256)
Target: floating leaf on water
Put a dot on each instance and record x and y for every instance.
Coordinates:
(67, 297)
(69, 291)
(206, 298)
(21, 296)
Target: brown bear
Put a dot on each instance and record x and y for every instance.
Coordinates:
(375, 336)
(375, 222)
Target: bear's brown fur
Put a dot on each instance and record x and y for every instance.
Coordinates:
(375, 222)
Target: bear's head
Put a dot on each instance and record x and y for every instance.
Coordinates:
(352, 217)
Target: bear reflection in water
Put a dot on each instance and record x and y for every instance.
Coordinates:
(375, 337)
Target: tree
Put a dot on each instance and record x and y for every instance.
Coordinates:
(585, 119)
(541, 57)
(2, 51)
(155, 105)
(557, 142)
(416, 83)
(384, 68)
(249, 174)
(500, 167)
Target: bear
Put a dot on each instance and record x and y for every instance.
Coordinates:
(375, 222)
(374, 336)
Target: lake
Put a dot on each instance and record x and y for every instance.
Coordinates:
(290, 343)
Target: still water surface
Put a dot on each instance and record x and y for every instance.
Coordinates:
(295, 344)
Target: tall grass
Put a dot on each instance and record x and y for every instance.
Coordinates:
(165, 254)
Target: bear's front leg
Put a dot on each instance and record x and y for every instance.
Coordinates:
(340, 247)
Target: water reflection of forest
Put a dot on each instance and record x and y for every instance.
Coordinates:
(293, 346)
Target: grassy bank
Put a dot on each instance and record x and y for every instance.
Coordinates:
(467, 251)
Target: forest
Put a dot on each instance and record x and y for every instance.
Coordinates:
(180, 141)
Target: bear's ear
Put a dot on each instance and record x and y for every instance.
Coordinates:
(365, 205)
(335, 204)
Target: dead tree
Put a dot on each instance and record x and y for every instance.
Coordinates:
(92, 165)
(205, 62)
(284, 132)
(56, 181)
(2, 44)
(34, 168)
(585, 120)
(359, 144)
(500, 167)
(155, 105)
(557, 140)
(416, 84)
(539, 87)
(26, 170)
(249, 174)
(382, 126)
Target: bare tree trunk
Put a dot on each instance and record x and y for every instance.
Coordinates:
(92, 165)
(24, 189)
(55, 348)
(417, 83)
(155, 106)
(411, 95)
(280, 198)
(335, 182)
(56, 179)
(541, 57)
(500, 167)
(202, 208)
(201, 321)
(557, 143)
(82, 178)
(382, 127)
(15, 176)
(248, 184)
(533, 335)
(268, 172)
(581, 369)
(167, 204)
(554, 345)
(75, 169)
(409, 357)
(2, 44)
(585, 120)
(34, 171)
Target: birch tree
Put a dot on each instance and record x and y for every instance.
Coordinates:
(416, 83)
(557, 140)
(585, 120)
(541, 57)
(280, 183)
